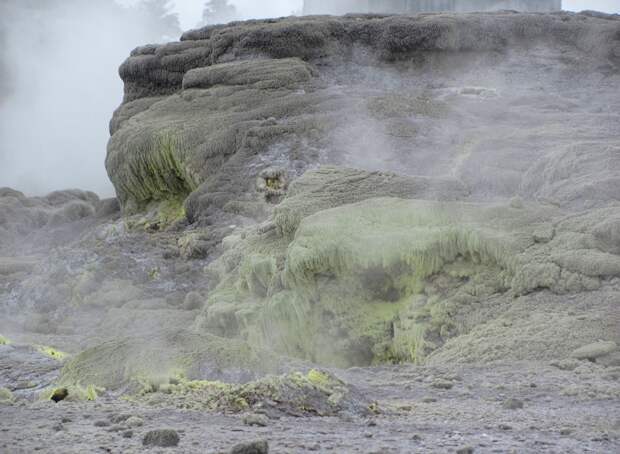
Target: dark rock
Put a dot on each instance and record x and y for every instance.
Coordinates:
(465, 450)
(253, 447)
(60, 394)
(117, 419)
(442, 384)
(163, 438)
(127, 434)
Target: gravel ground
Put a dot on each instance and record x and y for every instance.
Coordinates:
(525, 407)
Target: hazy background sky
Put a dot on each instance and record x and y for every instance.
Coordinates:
(191, 10)
(608, 6)
(59, 82)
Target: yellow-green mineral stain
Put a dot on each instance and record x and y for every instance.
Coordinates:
(52, 352)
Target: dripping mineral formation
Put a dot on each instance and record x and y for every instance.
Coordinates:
(399, 232)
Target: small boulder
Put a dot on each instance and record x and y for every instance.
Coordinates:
(595, 350)
(255, 420)
(512, 404)
(6, 397)
(119, 418)
(569, 364)
(134, 421)
(465, 450)
(253, 447)
(194, 245)
(442, 384)
(544, 233)
(164, 438)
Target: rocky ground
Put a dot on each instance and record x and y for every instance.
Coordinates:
(524, 407)
(563, 405)
(362, 234)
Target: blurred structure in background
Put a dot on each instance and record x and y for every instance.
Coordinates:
(424, 6)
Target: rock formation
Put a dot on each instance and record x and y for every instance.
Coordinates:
(478, 119)
(433, 199)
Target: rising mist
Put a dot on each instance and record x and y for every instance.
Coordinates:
(60, 86)
(59, 83)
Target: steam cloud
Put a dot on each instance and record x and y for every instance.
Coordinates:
(59, 84)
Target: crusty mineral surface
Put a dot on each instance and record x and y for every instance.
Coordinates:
(366, 232)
